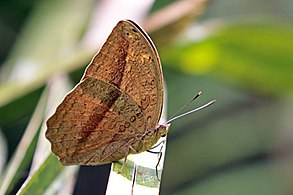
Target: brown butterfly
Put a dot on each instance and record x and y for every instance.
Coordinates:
(115, 109)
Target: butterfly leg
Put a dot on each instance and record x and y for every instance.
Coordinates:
(161, 142)
(134, 150)
(133, 178)
(157, 172)
(160, 153)
(125, 159)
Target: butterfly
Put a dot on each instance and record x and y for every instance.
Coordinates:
(115, 109)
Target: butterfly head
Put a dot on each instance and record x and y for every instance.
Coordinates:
(163, 129)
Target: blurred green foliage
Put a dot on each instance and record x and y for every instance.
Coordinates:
(257, 56)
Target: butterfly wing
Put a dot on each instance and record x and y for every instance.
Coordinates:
(119, 97)
(129, 61)
(84, 130)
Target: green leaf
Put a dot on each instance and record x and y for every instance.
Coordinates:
(22, 157)
(256, 56)
(44, 176)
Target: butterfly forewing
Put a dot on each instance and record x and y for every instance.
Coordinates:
(129, 60)
(120, 96)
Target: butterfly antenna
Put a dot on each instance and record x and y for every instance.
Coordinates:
(195, 97)
(191, 111)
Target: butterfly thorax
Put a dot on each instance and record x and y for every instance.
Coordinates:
(150, 137)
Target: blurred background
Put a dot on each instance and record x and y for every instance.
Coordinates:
(237, 52)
